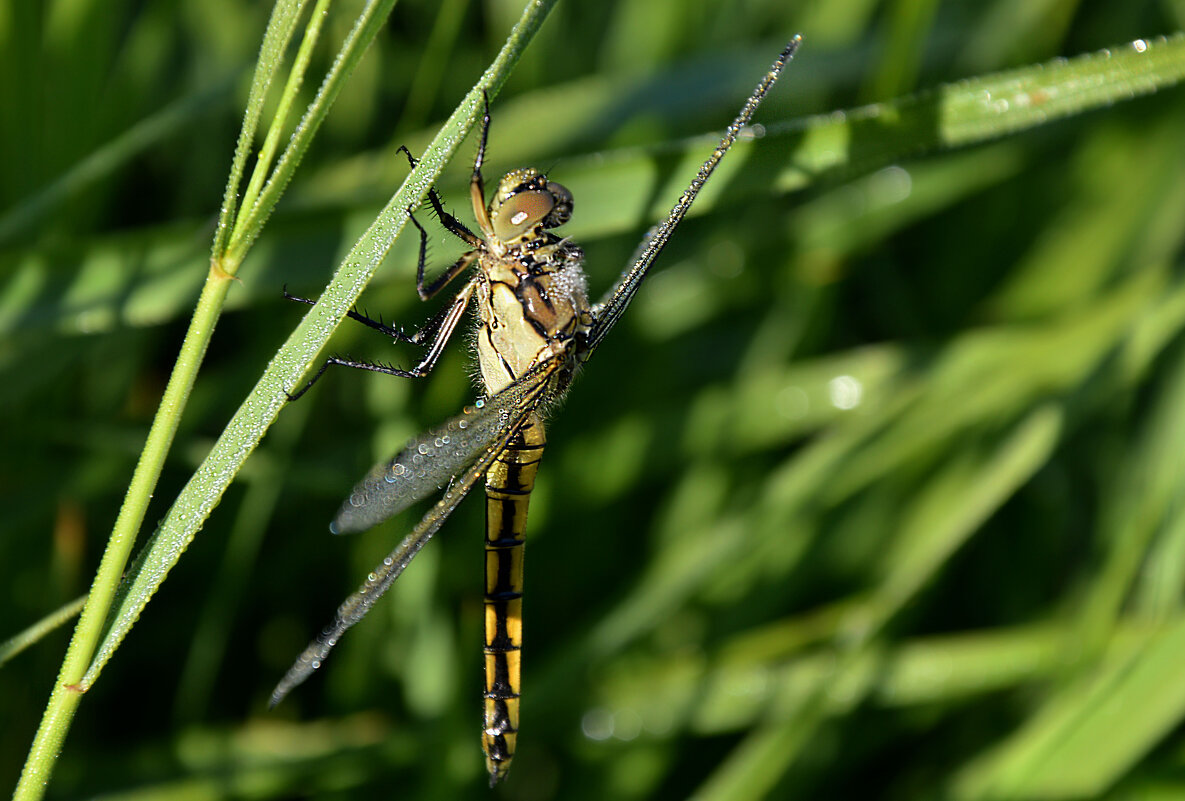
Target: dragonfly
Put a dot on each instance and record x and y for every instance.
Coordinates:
(536, 330)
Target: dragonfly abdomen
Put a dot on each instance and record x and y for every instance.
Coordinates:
(508, 489)
(536, 329)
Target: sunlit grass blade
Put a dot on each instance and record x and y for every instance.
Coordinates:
(203, 491)
(248, 427)
(68, 689)
(1089, 735)
(281, 26)
(250, 220)
(33, 634)
(300, 64)
(617, 187)
(875, 491)
(1149, 487)
(979, 109)
(209, 645)
(942, 519)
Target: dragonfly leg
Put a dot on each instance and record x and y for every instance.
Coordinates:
(439, 329)
(447, 323)
(477, 191)
(454, 226)
(332, 360)
(378, 325)
(428, 291)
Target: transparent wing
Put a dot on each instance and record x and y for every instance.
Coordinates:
(432, 459)
(503, 416)
(611, 307)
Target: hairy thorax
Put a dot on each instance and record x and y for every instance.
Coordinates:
(532, 306)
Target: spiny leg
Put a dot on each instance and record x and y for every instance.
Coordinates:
(427, 292)
(332, 360)
(477, 190)
(454, 226)
(440, 328)
(378, 325)
(476, 187)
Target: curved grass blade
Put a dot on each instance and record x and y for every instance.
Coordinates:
(280, 29)
(80, 653)
(22, 640)
(203, 491)
(617, 187)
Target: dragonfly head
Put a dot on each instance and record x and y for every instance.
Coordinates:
(525, 203)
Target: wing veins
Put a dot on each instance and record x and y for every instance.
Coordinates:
(531, 390)
(428, 462)
(611, 307)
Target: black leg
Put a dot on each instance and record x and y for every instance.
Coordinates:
(378, 325)
(477, 190)
(480, 159)
(454, 226)
(376, 368)
(426, 292)
(439, 329)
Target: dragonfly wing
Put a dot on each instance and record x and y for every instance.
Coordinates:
(510, 409)
(431, 460)
(420, 469)
(609, 310)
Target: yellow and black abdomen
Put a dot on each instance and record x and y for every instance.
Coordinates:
(508, 489)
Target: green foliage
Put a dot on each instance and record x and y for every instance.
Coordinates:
(876, 490)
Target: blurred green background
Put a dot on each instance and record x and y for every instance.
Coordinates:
(875, 492)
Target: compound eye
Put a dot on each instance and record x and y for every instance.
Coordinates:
(521, 212)
(563, 205)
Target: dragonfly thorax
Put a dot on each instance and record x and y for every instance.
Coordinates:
(533, 296)
(531, 312)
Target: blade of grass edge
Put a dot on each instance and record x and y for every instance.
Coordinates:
(22, 640)
(66, 692)
(204, 490)
(250, 222)
(271, 52)
(296, 75)
(244, 431)
(977, 109)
